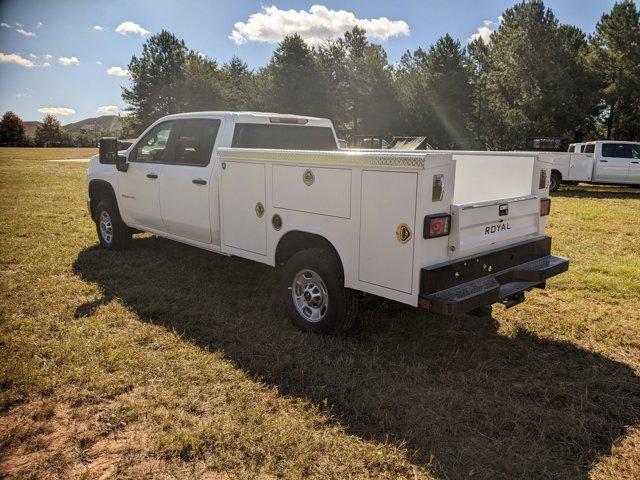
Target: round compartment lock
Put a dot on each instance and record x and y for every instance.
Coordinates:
(259, 210)
(276, 221)
(403, 233)
(308, 177)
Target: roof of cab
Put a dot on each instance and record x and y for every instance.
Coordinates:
(612, 141)
(252, 117)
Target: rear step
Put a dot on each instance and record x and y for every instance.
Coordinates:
(506, 286)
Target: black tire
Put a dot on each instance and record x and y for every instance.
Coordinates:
(554, 184)
(118, 235)
(341, 310)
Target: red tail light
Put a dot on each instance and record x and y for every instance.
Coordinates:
(289, 120)
(437, 225)
(545, 206)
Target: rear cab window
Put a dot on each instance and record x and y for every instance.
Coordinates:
(287, 137)
(591, 148)
(615, 150)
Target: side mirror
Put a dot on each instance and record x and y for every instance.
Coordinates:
(108, 152)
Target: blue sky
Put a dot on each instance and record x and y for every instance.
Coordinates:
(53, 59)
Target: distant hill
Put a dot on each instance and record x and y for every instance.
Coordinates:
(108, 123)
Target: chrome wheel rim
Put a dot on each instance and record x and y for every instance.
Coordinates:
(106, 226)
(310, 295)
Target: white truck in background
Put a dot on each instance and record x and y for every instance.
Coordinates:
(450, 232)
(603, 162)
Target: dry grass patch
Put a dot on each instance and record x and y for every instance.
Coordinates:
(165, 360)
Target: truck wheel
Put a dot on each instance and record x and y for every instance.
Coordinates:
(112, 231)
(554, 183)
(316, 298)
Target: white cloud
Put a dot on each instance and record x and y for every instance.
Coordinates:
(126, 28)
(48, 57)
(66, 61)
(117, 72)
(19, 25)
(57, 111)
(24, 32)
(484, 32)
(99, 62)
(46, 64)
(108, 110)
(97, 28)
(31, 55)
(16, 59)
(39, 24)
(315, 26)
(4, 25)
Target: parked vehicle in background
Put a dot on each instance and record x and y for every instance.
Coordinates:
(608, 162)
(450, 232)
(576, 147)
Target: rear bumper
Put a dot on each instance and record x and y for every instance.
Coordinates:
(501, 275)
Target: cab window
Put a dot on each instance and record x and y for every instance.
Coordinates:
(194, 142)
(572, 148)
(153, 146)
(614, 150)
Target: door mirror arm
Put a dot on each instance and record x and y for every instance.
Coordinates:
(121, 163)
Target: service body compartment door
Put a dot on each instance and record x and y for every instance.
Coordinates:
(243, 221)
(476, 227)
(387, 221)
(580, 167)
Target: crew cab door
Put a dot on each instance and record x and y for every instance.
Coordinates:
(612, 163)
(139, 185)
(188, 186)
(634, 164)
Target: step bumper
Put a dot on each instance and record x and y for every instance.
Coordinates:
(474, 282)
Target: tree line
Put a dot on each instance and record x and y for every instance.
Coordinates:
(48, 133)
(536, 77)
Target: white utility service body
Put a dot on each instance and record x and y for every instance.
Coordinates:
(602, 162)
(374, 209)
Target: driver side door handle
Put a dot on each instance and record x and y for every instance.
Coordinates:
(199, 181)
(152, 176)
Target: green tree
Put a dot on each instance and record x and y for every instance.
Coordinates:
(293, 78)
(435, 89)
(49, 132)
(11, 130)
(615, 58)
(536, 78)
(158, 79)
(367, 93)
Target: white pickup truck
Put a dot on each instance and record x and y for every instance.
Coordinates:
(603, 162)
(451, 232)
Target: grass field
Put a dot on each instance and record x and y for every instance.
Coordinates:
(165, 361)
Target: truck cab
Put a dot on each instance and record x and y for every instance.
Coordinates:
(615, 162)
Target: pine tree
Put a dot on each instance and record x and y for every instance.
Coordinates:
(615, 58)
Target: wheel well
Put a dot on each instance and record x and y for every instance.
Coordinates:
(99, 190)
(294, 241)
(556, 172)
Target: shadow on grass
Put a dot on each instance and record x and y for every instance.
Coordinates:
(461, 397)
(597, 191)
